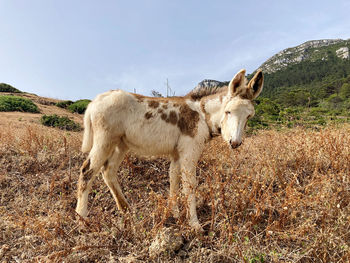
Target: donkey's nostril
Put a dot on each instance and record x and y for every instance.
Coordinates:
(235, 144)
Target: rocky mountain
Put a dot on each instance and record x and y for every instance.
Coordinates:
(311, 50)
(210, 83)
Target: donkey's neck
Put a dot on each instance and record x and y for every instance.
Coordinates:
(212, 107)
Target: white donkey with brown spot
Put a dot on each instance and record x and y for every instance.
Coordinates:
(117, 122)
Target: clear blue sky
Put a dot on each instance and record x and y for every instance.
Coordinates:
(76, 49)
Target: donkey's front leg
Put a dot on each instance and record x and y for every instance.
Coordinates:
(189, 181)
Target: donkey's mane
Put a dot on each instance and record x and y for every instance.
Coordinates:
(201, 92)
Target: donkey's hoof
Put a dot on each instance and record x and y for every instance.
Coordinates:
(81, 213)
(176, 212)
(124, 207)
(197, 227)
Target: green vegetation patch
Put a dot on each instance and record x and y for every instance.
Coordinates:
(15, 103)
(64, 104)
(79, 106)
(312, 93)
(8, 88)
(63, 123)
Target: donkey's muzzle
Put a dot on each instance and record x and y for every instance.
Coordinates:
(235, 144)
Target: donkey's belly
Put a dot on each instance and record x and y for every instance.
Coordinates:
(150, 142)
(149, 148)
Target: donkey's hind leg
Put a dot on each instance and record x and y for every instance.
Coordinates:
(110, 176)
(90, 168)
(174, 178)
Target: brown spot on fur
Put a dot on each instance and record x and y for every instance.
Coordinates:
(105, 165)
(160, 111)
(85, 166)
(176, 105)
(172, 117)
(176, 155)
(165, 106)
(85, 175)
(153, 104)
(148, 115)
(139, 97)
(188, 120)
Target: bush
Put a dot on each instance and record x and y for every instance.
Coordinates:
(64, 104)
(317, 111)
(14, 103)
(8, 88)
(64, 123)
(79, 106)
(345, 91)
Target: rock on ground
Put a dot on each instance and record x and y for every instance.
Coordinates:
(168, 240)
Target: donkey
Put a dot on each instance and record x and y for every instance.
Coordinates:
(117, 122)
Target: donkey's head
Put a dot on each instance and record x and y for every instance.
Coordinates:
(239, 107)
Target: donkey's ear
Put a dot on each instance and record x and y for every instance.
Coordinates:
(236, 82)
(256, 83)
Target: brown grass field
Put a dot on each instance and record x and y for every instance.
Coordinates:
(280, 197)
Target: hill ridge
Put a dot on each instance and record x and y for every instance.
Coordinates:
(309, 50)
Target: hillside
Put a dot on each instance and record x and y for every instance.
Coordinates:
(46, 106)
(311, 92)
(321, 62)
(309, 51)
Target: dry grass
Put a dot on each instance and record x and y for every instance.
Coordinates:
(280, 197)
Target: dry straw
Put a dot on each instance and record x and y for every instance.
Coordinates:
(280, 197)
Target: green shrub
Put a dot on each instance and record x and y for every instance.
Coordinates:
(345, 91)
(14, 103)
(317, 111)
(64, 104)
(63, 123)
(267, 107)
(8, 88)
(79, 106)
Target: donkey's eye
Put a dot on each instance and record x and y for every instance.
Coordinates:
(227, 112)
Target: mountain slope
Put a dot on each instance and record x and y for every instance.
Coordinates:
(315, 73)
(47, 106)
(309, 51)
(307, 84)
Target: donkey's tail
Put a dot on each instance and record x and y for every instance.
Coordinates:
(88, 132)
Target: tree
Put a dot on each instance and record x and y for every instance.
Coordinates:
(156, 94)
